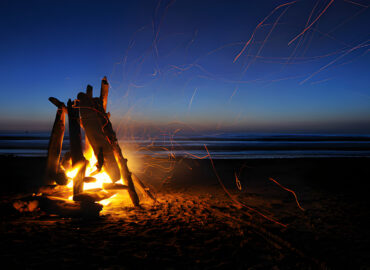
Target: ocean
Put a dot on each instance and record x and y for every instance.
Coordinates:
(225, 146)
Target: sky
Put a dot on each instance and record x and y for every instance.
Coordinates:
(204, 65)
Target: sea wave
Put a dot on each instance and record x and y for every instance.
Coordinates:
(226, 146)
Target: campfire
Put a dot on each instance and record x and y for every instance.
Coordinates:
(93, 173)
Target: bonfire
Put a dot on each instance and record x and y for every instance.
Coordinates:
(94, 172)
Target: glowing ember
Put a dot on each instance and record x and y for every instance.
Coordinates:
(97, 179)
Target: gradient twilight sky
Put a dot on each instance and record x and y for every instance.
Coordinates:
(173, 61)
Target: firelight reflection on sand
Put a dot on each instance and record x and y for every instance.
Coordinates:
(101, 178)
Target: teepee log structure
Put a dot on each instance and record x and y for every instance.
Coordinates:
(90, 114)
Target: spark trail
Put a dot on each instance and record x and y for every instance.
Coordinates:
(258, 26)
(235, 200)
(287, 189)
(265, 40)
(192, 98)
(361, 45)
(313, 22)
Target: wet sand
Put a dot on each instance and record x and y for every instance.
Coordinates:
(196, 225)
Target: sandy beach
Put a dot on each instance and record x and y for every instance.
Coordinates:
(197, 225)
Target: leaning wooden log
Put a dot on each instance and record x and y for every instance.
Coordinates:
(55, 142)
(75, 139)
(142, 187)
(126, 174)
(89, 90)
(57, 102)
(75, 142)
(114, 186)
(66, 161)
(100, 133)
(94, 121)
(104, 93)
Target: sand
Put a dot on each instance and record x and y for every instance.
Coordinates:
(196, 225)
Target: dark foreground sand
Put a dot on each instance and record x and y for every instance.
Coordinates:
(195, 225)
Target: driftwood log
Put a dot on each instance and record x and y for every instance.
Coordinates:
(75, 141)
(103, 139)
(52, 172)
(104, 93)
(142, 187)
(89, 90)
(94, 121)
(75, 133)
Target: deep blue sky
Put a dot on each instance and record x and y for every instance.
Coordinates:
(173, 62)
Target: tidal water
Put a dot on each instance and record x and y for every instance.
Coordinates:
(226, 146)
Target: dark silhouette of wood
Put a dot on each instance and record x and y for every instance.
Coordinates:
(66, 161)
(76, 146)
(89, 90)
(75, 139)
(55, 142)
(104, 93)
(61, 178)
